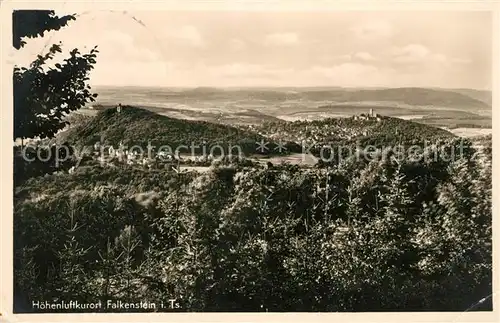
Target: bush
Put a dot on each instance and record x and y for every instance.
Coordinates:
(373, 236)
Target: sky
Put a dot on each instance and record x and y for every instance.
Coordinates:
(259, 48)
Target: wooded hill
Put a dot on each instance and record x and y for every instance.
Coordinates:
(135, 126)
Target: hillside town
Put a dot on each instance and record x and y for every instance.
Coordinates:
(320, 131)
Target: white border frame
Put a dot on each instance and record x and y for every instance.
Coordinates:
(6, 222)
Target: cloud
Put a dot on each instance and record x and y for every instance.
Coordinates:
(116, 45)
(347, 57)
(354, 57)
(329, 58)
(235, 73)
(418, 53)
(461, 60)
(372, 30)
(351, 74)
(343, 73)
(237, 44)
(188, 34)
(364, 56)
(281, 39)
(245, 70)
(238, 69)
(113, 46)
(134, 73)
(117, 37)
(248, 74)
(410, 53)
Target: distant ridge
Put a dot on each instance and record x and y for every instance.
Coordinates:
(417, 96)
(485, 96)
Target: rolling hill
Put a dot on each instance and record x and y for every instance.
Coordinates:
(450, 108)
(386, 131)
(411, 96)
(481, 95)
(135, 126)
(404, 95)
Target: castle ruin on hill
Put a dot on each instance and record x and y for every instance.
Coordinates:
(369, 116)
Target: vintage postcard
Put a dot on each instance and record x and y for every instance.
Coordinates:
(238, 158)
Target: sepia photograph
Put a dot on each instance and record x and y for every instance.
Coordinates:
(278, 160)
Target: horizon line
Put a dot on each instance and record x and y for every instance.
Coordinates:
(285, 87)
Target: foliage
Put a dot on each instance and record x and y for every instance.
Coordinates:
(379, 235)
(369, 234)
(30, 162)
(350, 133)
(135, 126)
(44, 95)
(34, 23)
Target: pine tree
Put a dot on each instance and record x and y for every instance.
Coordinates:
(74, 281)
(397, 222)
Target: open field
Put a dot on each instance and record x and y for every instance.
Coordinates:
(471, 132)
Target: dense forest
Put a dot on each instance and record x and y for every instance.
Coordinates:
(331, 135)
(378, 235)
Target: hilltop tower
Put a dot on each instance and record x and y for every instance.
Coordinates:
(371, 112)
